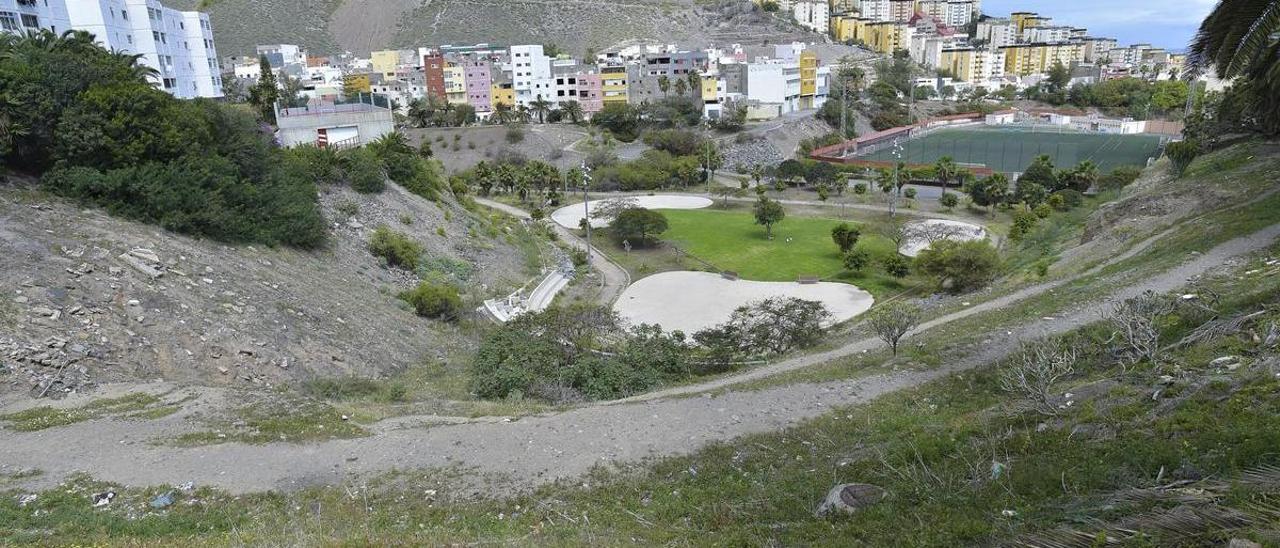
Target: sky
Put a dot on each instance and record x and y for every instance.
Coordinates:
(1165, 23)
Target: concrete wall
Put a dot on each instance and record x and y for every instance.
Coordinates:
(298, 129)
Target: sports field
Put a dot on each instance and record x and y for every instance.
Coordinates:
(1011, 150)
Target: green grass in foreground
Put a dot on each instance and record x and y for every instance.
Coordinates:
(136, 405)
(933, 448)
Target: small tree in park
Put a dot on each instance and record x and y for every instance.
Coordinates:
(846, 236)
(893, 321)
(768, 213)
(638, 226)
(856, 259)
(949, 200)
(896, 265)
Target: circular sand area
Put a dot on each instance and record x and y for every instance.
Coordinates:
(693, 301)
(571, 215)
(922, 234)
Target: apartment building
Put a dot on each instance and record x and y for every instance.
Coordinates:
(613, 84)
(814, 15)
(21, 16)
(280, 55)
(1029, 59)
(972, 65)
(433, 64)
(953, 13)
(530, 74)
(1048, 34)
(478, 75)
(997, 32)
(1096, 49)
(177, 44)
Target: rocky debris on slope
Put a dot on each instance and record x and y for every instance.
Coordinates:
(849, 498)
(90, 299)
(749, 151)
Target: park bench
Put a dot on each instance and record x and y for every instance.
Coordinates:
(729, 275)
(808, 280)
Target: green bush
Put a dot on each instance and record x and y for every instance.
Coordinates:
(856, 259)
(949, 200)
(356, 388)
(515, 134)
(896, 265)
(960, 266)
(363, 171)
(434, 300)
(396, 248)
(197, 167)
(202, 196)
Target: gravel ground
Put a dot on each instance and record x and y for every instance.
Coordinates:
(693, 301)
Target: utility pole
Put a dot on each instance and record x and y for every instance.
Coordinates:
(586, 206)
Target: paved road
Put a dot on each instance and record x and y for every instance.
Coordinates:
(532, 450)
(614, 278)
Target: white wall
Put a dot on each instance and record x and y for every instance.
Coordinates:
(19, 18)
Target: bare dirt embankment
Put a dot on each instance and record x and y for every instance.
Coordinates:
(89, 298)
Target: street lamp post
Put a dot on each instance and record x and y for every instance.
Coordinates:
(586, 206)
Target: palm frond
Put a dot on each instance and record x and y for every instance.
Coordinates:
(1252, 47)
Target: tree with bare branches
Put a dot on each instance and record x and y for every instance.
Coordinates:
(1036, 368)
(1135, 324)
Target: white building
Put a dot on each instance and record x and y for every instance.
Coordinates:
(1048, 35)
(875, 10)
(997, 32)
(177, 44)
(814, 15)
(20, 16)
(283, 54)
(531, 75)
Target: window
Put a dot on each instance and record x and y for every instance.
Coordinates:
(30, 21)
(9, 21)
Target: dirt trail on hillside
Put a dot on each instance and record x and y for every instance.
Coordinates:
(531, 450)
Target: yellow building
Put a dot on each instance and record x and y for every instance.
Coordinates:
(502, 94)
(385, 61)
(356, 83)
(710, 88)
(888, 37)
(455, 84)
(1028, 59)
(849, 27)
(959, 62)
(613, 84)
(808, 74)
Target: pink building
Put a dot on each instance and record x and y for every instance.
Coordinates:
(590, 93)
(479, 78)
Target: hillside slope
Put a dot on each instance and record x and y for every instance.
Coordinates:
(329, 26)
(77, 308)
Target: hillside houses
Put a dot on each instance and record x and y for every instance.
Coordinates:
(527, 79)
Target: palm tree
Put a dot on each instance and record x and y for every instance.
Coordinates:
(502, 112)
(572, 110)
(664, 84)
(541, 107)
(1241, 39)
(946, 170)
(419, 112)
(522, 114)
(681, 87)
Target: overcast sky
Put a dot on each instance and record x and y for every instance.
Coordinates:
(1166, 23)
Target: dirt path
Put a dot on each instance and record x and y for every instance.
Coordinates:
(614, 279)
(532, 450)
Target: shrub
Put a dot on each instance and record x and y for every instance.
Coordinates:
(860, 188)
(1119, 178)
(856, 259)
(960, 266)
(515, 134)
(768, 327)
(1182, 153)
(1043, 211)
(949, 200)
(678, 142)
(1024, 221)
(363, 171)
(846, 236)
(1070, 198)
(896, 265)
(910, 193)
(396, 248)
(434, 300)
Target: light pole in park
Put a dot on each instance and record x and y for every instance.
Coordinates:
(586, 206)
(897, 188)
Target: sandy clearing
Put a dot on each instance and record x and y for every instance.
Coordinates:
(921, 234)
(693, 301)
(569, 216)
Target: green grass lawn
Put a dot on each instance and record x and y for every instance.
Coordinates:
(801, 246)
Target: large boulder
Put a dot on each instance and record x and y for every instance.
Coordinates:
(848, 498)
